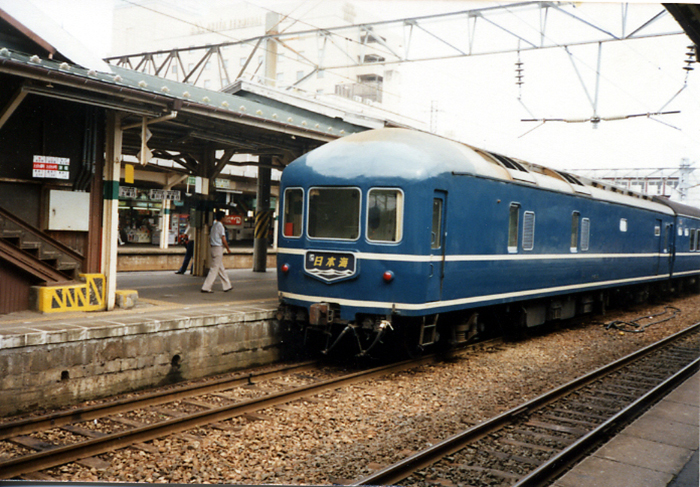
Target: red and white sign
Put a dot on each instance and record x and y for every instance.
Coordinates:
(50, 167)
(232, 221)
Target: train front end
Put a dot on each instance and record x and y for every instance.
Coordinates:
(355, 254)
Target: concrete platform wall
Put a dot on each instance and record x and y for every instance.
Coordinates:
(171, 259)
(57, 368)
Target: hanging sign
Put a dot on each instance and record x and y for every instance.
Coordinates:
(232, 221)
(128, 192)
(51, 167)
(164, 194)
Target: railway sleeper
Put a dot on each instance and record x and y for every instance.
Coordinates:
(596, 418)
(488, 471)
(556, 427)
(528, 446)
(541, 436)
(593, 407)
(563, 419)
(515, 458)
(624, 395)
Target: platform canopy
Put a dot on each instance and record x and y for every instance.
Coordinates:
(183, 121)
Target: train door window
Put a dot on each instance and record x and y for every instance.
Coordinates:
(667, 237)
(334, 213)
(657, 231)
(693, 242)
(293, 212)
(528, 230)
(513, 222)
(384, 215)
(585, 233)
(436, 235)
(575, 217)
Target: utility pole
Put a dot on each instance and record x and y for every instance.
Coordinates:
(262, 206)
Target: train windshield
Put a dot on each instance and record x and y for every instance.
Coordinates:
(384, 215)
(334, 213)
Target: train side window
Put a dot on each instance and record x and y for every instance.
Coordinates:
(293, 212)
(528, 230)
(334, 213)
(585, 233)
(384, 215)
(436, 235)
(575, 217)
(513, 222)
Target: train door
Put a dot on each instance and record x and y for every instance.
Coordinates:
(660, 244)
(670, 240)
(437, 246)
(665, 261)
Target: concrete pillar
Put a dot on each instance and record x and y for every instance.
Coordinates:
(164, 224)
(110, 195)
(263, 215)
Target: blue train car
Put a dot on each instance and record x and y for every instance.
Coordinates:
(388, 230)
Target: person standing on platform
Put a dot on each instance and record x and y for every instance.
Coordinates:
(189, 248)
(217, 240)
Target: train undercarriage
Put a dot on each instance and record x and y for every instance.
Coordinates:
(371, 335)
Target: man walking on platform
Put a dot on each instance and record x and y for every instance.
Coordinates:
(217, 240)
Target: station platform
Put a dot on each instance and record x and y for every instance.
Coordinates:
(175, 332)
(660, 449)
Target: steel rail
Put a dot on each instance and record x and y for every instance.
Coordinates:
(393, 474)
(60, 418)
(63, 454)
(576, 451)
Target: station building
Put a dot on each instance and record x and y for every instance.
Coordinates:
(77, 135)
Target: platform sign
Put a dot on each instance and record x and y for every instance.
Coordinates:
(51, 167)
(164, 194)
(232, 220)
(128, 192)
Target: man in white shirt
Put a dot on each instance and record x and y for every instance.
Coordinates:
(217, 240)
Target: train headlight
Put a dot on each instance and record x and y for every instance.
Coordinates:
(388, 276)
(285, 268)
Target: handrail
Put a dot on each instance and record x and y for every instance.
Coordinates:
(43, 236)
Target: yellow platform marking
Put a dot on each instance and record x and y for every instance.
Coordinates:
(87, 296)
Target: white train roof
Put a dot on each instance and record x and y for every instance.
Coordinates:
(418, 155)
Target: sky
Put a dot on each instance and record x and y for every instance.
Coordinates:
(478, 101)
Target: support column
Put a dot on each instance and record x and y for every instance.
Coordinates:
(205, 170)
(110, 195)
(164, 224)
(263, 215)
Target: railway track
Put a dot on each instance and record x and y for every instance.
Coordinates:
(178, 410)
(535, 442)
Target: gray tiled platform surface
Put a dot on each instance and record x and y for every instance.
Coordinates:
(659, 449)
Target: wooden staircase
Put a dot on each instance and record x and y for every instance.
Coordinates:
(45, 260)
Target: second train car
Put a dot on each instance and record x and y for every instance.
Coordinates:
(398, 235)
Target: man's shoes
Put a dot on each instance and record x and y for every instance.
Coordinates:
(227, 290)
(178, 272)
(205, 291)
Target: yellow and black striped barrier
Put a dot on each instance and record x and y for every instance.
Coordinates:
(262, 223)
(86, 296)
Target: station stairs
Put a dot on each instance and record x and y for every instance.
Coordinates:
(40, 273)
